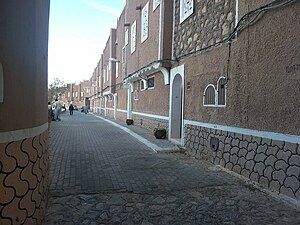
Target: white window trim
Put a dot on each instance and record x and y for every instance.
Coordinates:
(222, 77)
(216, 95)
(210, 105)
(144, 36)
(149, 88)
(126, 41)
(117, 69)
(145, 84)
(133, 37)
(182, 16)
(155, 4)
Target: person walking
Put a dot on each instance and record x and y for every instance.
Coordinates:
(85, 109)
(71, 108)
(57, 110)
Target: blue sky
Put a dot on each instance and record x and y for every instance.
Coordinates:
(78, 31)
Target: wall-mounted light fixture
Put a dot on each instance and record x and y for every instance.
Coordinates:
(113, 60)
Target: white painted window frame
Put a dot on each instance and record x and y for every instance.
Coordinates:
(117, 69)
(126, 41)
(145, 23)
(216, 94)
(222, 77)
(183, 16)
(210, 105)
(155, 4)
(150, 88)
(144, 83)
(133, 37)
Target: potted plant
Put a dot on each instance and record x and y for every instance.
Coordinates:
(129, 121)
(160, 133)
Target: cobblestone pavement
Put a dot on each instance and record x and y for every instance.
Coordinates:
(101, 175)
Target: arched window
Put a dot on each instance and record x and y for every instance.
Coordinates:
(221, 87)
(209, 98)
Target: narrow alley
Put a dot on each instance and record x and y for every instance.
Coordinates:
(99, 174)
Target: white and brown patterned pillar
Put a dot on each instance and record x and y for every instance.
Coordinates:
(23, 111)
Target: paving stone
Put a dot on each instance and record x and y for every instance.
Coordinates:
(121, 181)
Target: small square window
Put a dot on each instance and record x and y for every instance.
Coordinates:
(150, 82)
(142, 85)
(186, 9)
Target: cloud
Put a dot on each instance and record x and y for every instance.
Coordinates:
(103, 8)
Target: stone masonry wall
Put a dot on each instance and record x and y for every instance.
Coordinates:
(24, 180)
(150, 123)
(274, 164)
(211, 22)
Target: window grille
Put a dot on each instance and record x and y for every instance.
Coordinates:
(186, 9)
(209, 98)
(133, 37)
(150, 82)
(221, 86)
(145, 22)
(142, 85)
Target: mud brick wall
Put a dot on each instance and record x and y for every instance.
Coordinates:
(150, 123)
(211, 22)
(24, 180)
(274, 164)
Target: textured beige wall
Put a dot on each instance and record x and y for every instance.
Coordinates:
(155, 101)
(262, 93)
(147, 51)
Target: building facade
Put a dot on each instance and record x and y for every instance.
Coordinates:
(222, 77)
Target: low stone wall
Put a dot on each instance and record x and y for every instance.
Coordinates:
(150, 123)
(24, 180)
(274, 164)
(122, 116)
(110, 113)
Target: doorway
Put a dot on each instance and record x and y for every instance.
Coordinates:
(176, 105)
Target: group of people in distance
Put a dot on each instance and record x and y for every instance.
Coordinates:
(55, 109)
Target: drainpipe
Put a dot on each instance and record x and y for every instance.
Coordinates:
(129, 87)
(105, 101)
(115, 105)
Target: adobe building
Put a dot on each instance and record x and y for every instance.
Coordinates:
(221, 77)
(24, 157)
(239, 101)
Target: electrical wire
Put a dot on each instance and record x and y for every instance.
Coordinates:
(247, 20)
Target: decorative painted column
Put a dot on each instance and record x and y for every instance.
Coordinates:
(24, 157)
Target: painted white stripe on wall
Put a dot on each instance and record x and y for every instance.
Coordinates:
(122, 110)
(110, 109)
(151, 115)
(264, 134)
(17, 135)
(149, 144)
